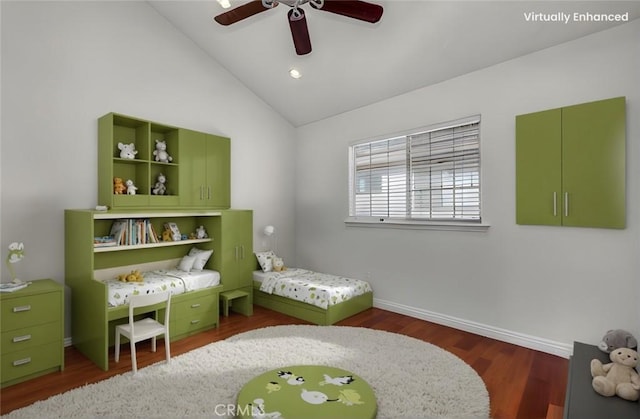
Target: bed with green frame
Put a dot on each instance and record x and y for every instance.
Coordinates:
(309, 312)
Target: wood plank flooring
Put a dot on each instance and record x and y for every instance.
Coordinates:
(522, 383)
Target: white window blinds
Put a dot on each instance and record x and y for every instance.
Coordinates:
(432, 174)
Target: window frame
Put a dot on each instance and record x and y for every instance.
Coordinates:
(416, 223)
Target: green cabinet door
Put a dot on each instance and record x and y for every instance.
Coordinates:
(570, 166)
(593, 171)
(204, 180)
(233, 255)
(539, 168)
(193, 173)
(218, 173)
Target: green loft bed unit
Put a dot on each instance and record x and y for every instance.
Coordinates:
(309, 312)
(93, 319)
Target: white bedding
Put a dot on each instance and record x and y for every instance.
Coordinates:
(319, 289)
(160, 280)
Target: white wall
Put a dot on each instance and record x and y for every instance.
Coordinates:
(539, 286)
(65, 64)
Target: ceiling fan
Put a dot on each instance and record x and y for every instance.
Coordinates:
(360, 10)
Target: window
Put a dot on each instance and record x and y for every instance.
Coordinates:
(430, 174)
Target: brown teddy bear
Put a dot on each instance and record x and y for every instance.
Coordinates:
(618, 377)
(118, 186)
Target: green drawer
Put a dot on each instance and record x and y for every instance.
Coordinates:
(193, 323)
(18, 313)
(194, 306)
(30, 361)
(29, 337)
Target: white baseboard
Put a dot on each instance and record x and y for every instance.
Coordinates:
(532, 342)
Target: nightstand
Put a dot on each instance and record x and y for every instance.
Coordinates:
(31, 329)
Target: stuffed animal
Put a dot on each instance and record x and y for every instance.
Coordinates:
(134, 276)
(161, 152)
(617, 338)
(127, 151)
(160, 188)
(131, 188)
(201, 233)
(167, 235)
(278, 265)
(118, 186)
(618, 377)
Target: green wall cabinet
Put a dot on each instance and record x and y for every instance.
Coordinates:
(570, 166)
(204, 181)
(143, 170)
(201, 181)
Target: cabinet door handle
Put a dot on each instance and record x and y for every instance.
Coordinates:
(21, 338)
(566, 204)
(21, 308)
(555, 204)
(195, 305)
(208, 192)
(21, 361)
(242, 253)
(196, 321)
(236, 248)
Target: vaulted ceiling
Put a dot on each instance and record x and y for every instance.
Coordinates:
(353, 63)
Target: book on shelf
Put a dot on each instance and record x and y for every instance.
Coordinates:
(130, 231)
(105, 241)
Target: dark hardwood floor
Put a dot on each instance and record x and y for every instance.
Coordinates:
(522, 383)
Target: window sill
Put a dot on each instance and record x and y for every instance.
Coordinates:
(372, 222)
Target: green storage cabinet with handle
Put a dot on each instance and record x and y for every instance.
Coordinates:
(32, 331)
(570, 166)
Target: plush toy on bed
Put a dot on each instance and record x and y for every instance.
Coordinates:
(617, 338)
(278, 265)
(134, 276)
(618, 377)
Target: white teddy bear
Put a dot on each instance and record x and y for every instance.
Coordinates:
(131, 188)
(161, 152)
(127, 151)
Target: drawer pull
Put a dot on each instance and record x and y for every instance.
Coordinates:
(195, 305)
(196, 321)
(21, 361)
(21, 308)
(21, 338)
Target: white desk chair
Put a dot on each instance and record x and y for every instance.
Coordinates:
(146, 328)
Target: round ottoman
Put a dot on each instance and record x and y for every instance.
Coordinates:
(307, 392)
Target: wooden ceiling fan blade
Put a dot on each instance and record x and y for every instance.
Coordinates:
(242, 12)
(355, 9)
(299, 31)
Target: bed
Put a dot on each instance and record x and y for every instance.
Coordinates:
(175, 280)
(319, 298)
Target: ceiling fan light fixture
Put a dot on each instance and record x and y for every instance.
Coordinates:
(225, 4)
(295, 73)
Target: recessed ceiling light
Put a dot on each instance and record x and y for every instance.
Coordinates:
(224, 3)
(295, 73)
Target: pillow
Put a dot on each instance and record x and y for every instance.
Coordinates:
(186, 263)
(202, 256)
(265, 259)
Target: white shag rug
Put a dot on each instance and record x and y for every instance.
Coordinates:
(411, 378)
